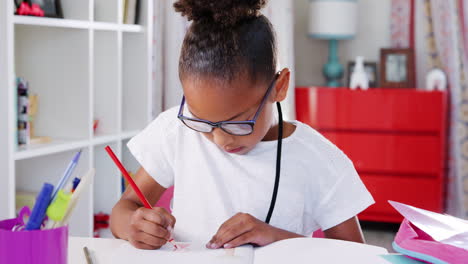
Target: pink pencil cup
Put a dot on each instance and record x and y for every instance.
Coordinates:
(37, 246)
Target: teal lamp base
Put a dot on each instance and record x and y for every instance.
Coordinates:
(333, 70)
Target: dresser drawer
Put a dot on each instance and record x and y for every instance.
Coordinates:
(420, 192)
(391, 153)
(371, 110)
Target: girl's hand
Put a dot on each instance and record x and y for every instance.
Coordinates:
(150, 228)
(243, 229)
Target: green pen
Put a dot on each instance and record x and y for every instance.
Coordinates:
(57, 209)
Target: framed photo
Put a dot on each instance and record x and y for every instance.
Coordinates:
(52, 8)
(397, 68)
(371, 72)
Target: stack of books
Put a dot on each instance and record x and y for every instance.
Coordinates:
(24, 135)
(131, 11)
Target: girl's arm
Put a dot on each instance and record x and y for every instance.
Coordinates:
(129, 220)
(349, 230)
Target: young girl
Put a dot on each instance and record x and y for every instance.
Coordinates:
(241, 175)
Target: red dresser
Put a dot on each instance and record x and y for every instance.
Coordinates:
(395, 137)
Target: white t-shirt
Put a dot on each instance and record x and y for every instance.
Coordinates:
(318, 188)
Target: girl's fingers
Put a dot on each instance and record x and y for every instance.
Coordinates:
(159, 216)
(153, 229)
(230, 234)
(243, 239)
(169, 220)
(141, 245)
(150, 240)
(233, 228)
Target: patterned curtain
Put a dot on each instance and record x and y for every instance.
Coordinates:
(447, 37)
(401, 23)
(446, 44)
(169, 31)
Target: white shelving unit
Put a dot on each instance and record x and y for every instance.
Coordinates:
(86, 66)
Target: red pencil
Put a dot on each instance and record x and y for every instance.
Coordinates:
(127, 176)
(131, 182)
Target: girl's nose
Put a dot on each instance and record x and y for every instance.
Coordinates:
(221, 138)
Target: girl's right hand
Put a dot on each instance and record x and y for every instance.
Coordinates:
(150, 228)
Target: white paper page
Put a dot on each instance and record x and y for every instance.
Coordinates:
(443, 228)
(187, 253)
(319, 250)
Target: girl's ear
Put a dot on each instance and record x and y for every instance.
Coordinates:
(282, 85)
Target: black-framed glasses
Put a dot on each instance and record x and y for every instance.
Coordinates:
(236, 128)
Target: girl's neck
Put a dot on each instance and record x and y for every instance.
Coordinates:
(272, 134)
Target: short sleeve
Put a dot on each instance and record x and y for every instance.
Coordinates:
(151, 148)
(347, 198)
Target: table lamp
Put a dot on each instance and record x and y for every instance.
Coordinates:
(332, 20)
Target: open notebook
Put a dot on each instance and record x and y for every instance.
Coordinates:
(298, 250)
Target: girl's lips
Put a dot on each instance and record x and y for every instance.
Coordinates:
(234, 150)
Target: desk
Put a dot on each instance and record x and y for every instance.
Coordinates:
(101, 247)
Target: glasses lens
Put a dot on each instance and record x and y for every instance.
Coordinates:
(237, 129)
(198, 126)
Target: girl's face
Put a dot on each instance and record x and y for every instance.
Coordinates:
(214, 100)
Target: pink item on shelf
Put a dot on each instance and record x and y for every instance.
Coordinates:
(36, 10)
(30, 10)
(24, 9)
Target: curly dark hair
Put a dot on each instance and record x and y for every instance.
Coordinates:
(227, 38)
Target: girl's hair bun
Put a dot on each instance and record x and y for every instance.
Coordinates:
(221, 12)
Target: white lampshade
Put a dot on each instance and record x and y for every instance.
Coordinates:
(332, 19)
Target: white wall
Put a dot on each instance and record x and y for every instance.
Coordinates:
(373, 34)
(311, 54)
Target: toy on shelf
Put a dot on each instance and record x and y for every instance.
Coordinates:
(24, 9)
(95, 125)
(359, 77)
(33, 109)
(436, 80)
(101, 221)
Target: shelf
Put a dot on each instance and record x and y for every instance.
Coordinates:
(128, 160)
(132, 28)
(92, 67)
(56, 146)
(105, 26)
(129, 134)
(107, 182)
(102, 139)
(135, 113)
(51, 22)
(77, 24)
(105, 139)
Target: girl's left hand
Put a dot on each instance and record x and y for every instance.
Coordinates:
(243, 229)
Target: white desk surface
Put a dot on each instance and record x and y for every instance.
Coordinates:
(100, 248)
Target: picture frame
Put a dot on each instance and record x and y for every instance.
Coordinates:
(52, 8)
(371, 71)
(397, 68)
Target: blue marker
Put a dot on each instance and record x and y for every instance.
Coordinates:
(76, 181)
(40, 207)
(67, 174)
